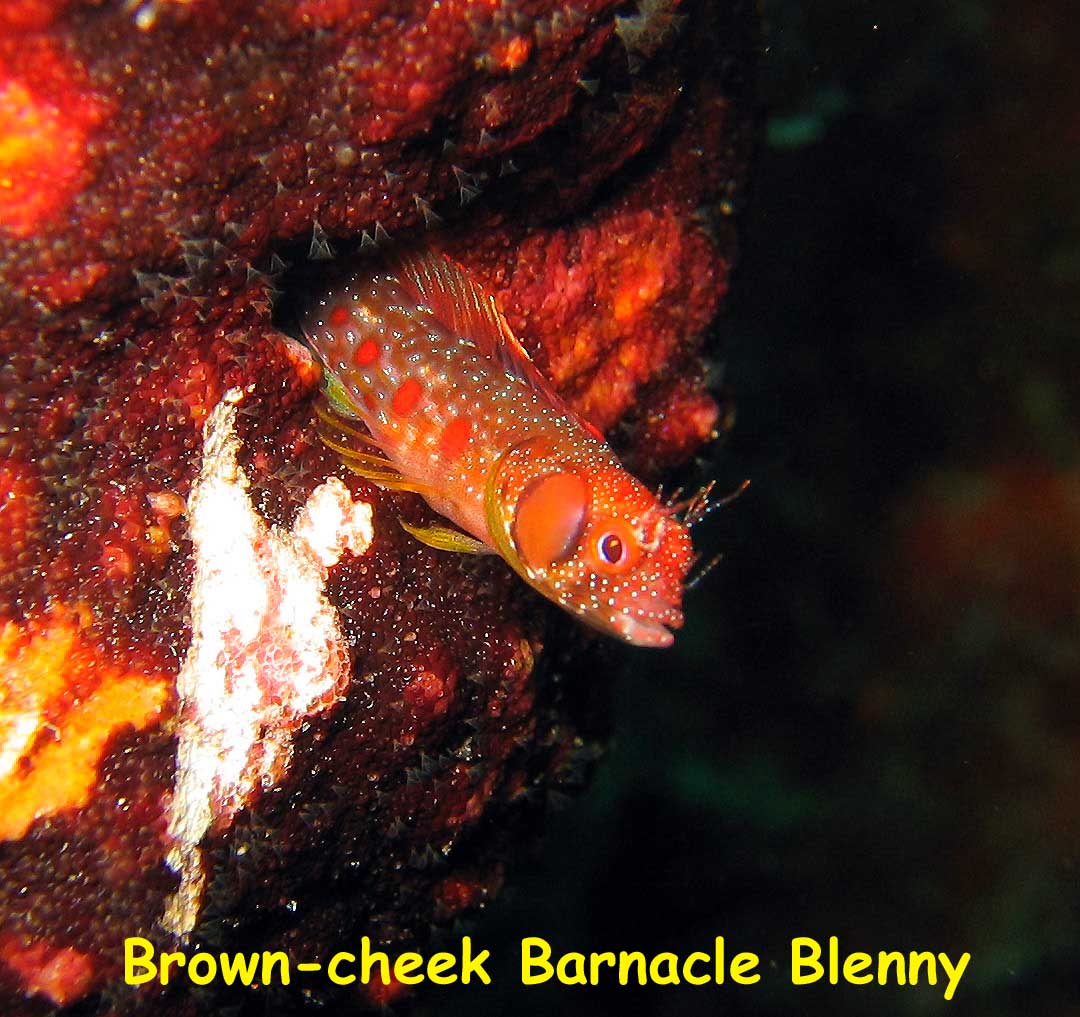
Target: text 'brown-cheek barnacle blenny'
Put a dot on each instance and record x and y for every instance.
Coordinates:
(455, 410)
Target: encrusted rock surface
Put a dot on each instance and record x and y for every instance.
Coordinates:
(240, 707)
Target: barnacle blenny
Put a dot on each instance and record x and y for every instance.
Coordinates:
(456, 411)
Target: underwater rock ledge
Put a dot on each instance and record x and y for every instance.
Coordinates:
(238, 704)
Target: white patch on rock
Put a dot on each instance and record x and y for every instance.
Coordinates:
(17, 730)
(267, 651)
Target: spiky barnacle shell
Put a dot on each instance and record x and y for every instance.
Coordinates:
(395, 705)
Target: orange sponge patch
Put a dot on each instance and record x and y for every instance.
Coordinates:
(40, 158)
(59, 973)
(45, 117)
(29, 15)
(60, 705)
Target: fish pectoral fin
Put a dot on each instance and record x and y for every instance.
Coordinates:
(341, 431)
(442, 538)
(334, 418)
(337, 398)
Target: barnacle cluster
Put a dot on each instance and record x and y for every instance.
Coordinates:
(160, 164)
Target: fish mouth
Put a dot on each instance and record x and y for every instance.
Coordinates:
(653, 629)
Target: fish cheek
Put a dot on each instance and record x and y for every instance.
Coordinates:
(549, 519)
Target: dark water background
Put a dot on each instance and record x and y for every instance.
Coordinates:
(871, 725)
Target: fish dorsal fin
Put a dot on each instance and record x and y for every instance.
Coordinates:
(455, 298)
(461, 303)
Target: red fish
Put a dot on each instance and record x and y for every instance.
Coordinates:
(456, 411)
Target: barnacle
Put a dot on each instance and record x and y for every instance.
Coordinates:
(160, 163)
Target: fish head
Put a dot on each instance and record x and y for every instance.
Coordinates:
(594, 539)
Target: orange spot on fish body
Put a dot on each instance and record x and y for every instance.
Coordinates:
(455, 437)
(340, 315)
(366, 353)
(406, 397)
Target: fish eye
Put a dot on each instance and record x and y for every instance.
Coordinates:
(611, 548)
(614, 546)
